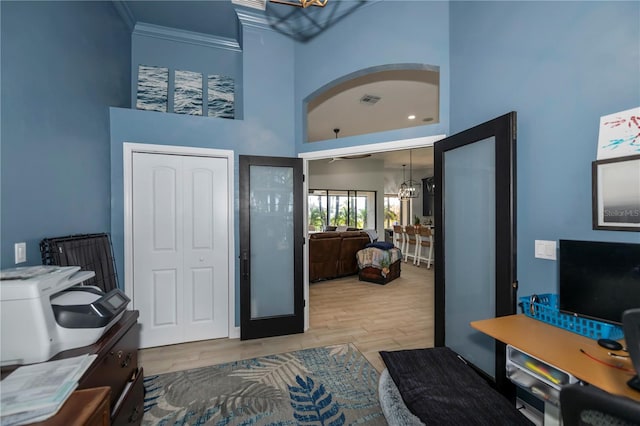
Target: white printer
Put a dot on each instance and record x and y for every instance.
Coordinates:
(43, 311)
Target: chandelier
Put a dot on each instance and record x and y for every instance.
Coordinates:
(302, 3)
(304, 22)
(408, 188)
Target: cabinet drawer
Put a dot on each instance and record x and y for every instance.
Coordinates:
(116, 365)
(129, 408)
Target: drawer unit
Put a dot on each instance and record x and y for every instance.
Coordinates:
(128, 410)
(536, 376)
(115, 366)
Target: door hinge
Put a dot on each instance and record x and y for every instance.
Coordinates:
(304, 303)
(304, 240)
(303, 177)
(514, 285)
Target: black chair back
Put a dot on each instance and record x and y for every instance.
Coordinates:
(587, 405)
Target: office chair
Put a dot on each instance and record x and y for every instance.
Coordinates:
(631, 328)
(587, 405)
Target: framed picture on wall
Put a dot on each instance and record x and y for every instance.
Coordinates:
(616, 193)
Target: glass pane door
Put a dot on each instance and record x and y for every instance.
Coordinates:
(475, 224)
(271, 240)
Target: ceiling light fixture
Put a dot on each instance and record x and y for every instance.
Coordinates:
(408, 188)
(411, 117)
(302, 3)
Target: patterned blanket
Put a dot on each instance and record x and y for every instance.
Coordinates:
(377, 258)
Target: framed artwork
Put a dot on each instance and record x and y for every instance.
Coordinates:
(616, 193)
(619, 134)
(187, 97)
(221, 96)
(153, 83)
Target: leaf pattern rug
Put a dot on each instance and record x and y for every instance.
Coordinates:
(328, 386)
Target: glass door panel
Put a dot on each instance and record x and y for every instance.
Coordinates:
(469, 198)
(272, 236)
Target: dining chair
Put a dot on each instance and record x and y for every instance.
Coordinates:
(425, 242)
(398, 237)
(410, 240)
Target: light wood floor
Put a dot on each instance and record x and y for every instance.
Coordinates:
(374, 317)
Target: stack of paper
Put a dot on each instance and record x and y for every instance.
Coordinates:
(36, 392)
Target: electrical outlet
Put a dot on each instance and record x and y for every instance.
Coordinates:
(545, 249)
(20, 252)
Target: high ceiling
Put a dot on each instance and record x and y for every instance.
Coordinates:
(213, 17)
(400, 94)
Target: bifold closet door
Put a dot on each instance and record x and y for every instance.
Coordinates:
(180, 247)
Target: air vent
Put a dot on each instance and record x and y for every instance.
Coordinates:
(369, 99)
(255, 4)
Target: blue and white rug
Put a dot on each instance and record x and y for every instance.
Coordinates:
(331, 386)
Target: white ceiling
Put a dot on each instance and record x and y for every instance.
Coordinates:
(401, 92)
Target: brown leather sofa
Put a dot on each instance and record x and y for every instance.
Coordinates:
(333, 254)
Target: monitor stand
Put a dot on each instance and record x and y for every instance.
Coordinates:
(634, 383)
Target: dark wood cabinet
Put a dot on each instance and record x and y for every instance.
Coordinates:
(117, 367)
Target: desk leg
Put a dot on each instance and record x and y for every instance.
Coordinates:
(552, 415)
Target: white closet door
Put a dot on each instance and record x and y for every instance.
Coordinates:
(180, 239)
(206, 242)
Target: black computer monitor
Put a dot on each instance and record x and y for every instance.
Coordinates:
(631, 328)
(599, 280)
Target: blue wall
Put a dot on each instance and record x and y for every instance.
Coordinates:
(391, 32)
(560, 65)
(267, 127)
(63, 65)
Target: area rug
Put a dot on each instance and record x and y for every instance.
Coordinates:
(332, 386)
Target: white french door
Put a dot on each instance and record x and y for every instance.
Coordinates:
(180, 247)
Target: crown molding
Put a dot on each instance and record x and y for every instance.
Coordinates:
(183, 36)
(253, 19)
(125, 13)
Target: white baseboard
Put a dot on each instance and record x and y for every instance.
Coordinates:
(234, 332)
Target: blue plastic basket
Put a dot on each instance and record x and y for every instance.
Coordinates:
(546, 310)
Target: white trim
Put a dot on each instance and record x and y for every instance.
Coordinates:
(183, 36)
(253, 20)
(372, 148)
(125, 13)
(305, 248)
(353, 150)
(128, 149)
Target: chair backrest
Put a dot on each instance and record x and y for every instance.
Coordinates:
(425, 233)
(588, 405)
(631, 327)
(410, 230)
(397, 232)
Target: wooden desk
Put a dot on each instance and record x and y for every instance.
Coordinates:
(561, 348)
(86, 407)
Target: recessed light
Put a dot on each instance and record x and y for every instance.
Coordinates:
(411, 117)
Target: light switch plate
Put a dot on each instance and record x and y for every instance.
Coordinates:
(20, 252)
(545, 249)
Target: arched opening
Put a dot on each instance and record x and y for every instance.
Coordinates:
(373, 100)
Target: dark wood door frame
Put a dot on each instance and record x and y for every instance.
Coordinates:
(277, 325)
